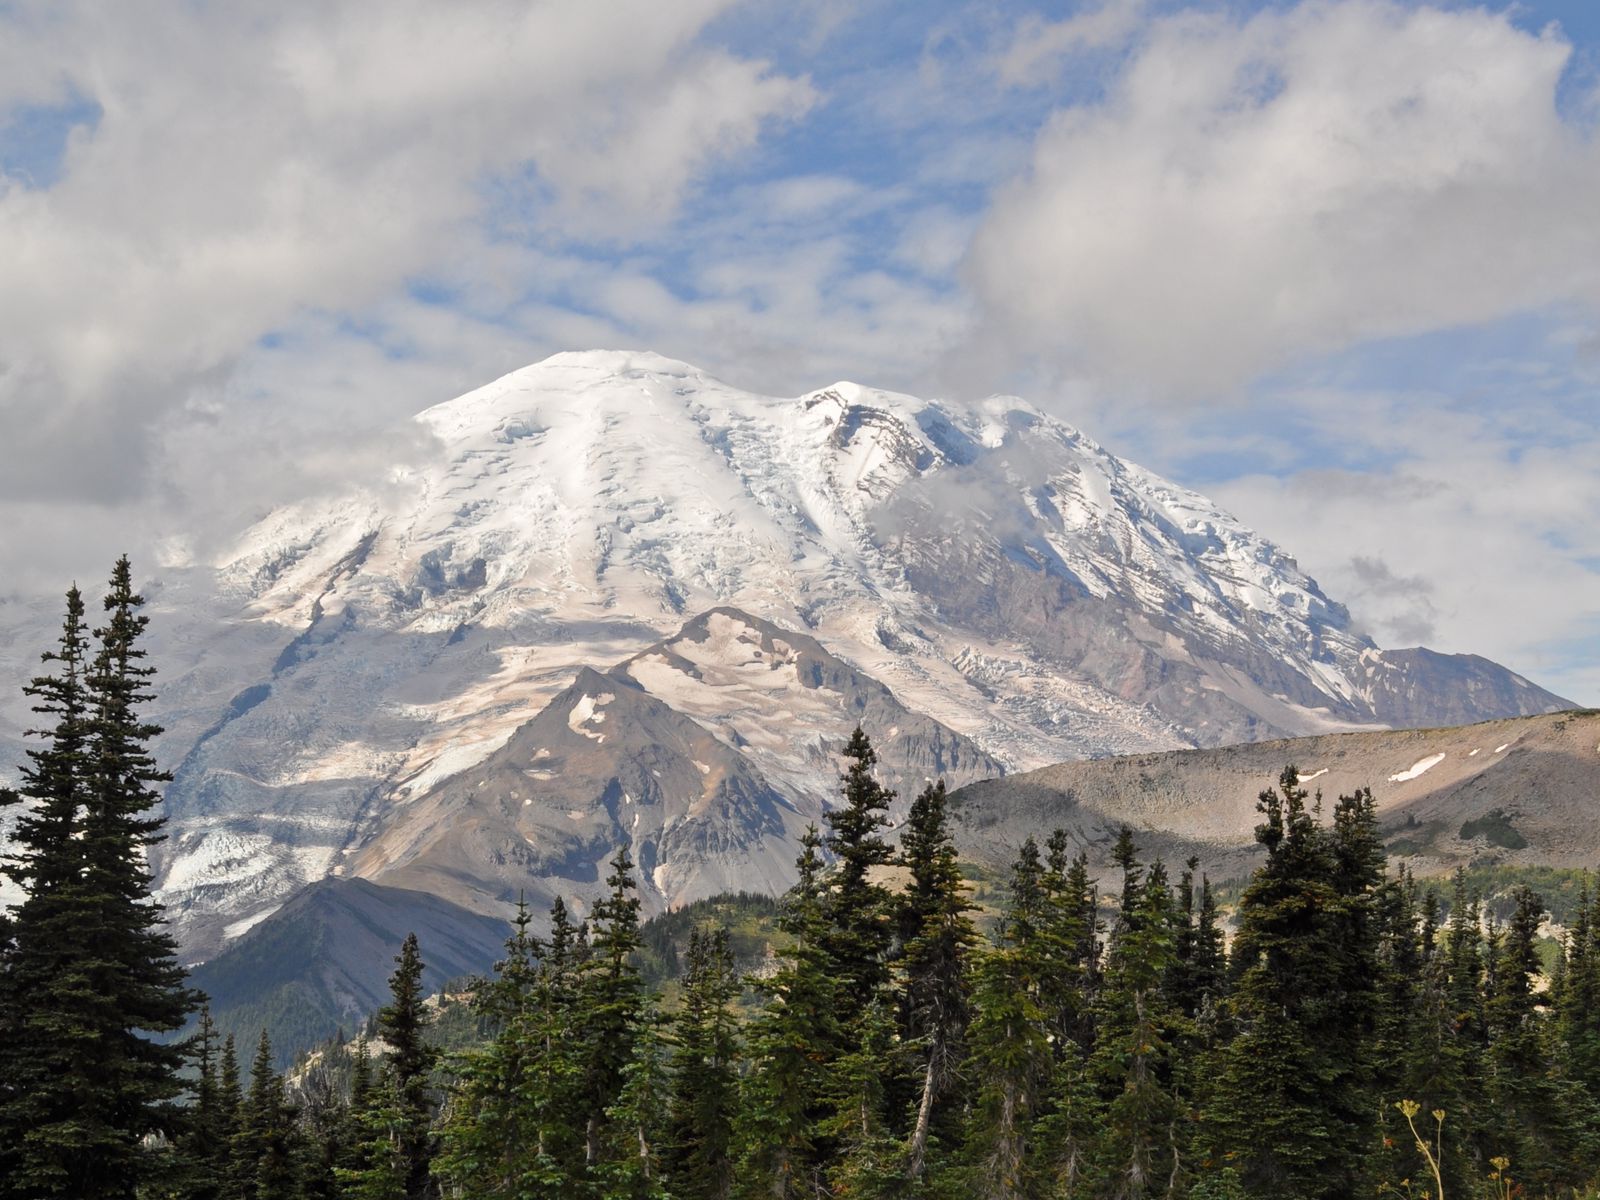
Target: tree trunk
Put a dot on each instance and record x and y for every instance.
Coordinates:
(919, 1136)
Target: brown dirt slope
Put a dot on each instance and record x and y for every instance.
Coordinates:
(1524, 791)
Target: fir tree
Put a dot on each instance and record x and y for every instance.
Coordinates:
(939, 942)
(327, 1128)
(211, 1125)
(1140, 1152)
(36, 1041)
(636, 1123)
(91, 973)
(1542, 1114)
(490, 1137)
(612, 1000)
(858, 908)
(867, 1160)
(230, 1093)
(1069, 1125)
(1578, 1001)
(1293, 1107)
(704, 1093)
(554, 1098)
(349, 1160)
(264, 1155)
(383, 1131)
(1009, 1044)
(791, 1047)
(409, 1093)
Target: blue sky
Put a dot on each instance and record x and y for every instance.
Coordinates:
(1334, 263)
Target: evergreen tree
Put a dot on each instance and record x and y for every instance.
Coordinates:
(1140, 1151)
(939, 943)
(264, 1155)
(612, 1000)
(1210, 969)
(1454, 1028)
(45, 861)
(1578, 1000)
(230, 1093)
(554, 1099)
(489, 1139)
(384, 1129)
(204, 1143)
(704, 1092)
(867, 1159)
(636, 1123)
(91, 973)
(348, 1159)
(1070, 982)
(327, 1132)
(408, 1072)
(792, 1043)
(859, 927)
(1545, 1124)
(1293, 1106)
(1009, 1041)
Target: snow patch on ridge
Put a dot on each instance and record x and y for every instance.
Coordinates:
(1417, 768)
(589, 711)
(234, 929)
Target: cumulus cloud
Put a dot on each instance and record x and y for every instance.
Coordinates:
(1413, 618)
(1466, 528)
(1251, 192)
(1036, 49)
(248, 171)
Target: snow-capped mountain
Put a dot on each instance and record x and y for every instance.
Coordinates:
(377, 672)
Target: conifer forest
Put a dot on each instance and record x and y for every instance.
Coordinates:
(1328, 1028)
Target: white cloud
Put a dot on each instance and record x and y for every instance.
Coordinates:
(1477, 536)
(1310, 179)
(1037, 47)
(254, 167)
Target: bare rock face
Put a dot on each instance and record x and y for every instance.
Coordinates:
(706, 755)
(980, 585)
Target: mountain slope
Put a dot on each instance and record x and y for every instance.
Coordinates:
(995, 572)
(707, 755)
(323, 960)
(1523, 792)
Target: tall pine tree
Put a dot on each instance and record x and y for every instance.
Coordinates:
(1293, 1107)
(489, 1136)
(612, 999)
(859, 925)
(704, 1097)
(408, 1073)
(92, 973)
(938, 946)
(792, 1044)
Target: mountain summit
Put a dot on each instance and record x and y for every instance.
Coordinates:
(746, 576)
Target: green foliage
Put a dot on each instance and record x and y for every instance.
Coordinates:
(938, 946)
(399, 1124)
(1292, 1106)
(90, 979)
(1495, 828)
(749, 921)
(882, 1049)
(790, 1047)
(489, 1135)
(858, 930)
(1561, 887)
(703, 1092)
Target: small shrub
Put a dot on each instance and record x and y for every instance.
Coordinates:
(1495, 828)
